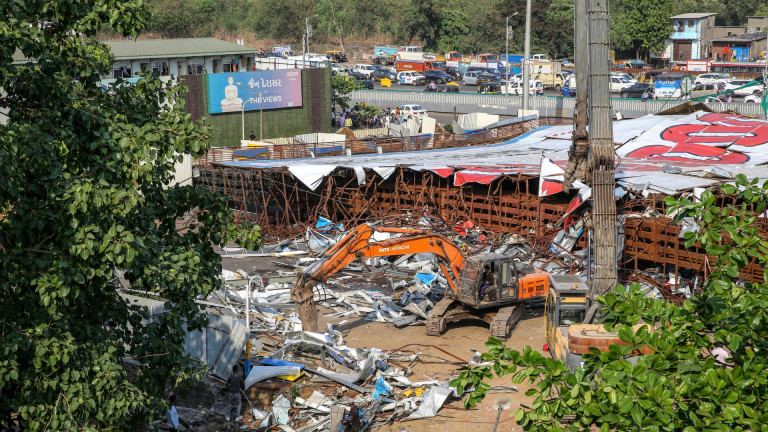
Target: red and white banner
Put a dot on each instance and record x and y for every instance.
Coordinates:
(551, 178)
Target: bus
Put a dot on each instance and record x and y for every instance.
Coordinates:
(739, 69)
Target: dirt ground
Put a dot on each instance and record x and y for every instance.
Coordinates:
(458, 341)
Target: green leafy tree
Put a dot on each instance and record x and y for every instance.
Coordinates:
(82, 194)
(342, 87)
(680, 385)
(640, 27)
(453, 28)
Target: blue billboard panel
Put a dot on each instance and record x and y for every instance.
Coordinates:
(238, 91)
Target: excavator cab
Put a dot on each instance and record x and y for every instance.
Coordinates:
(566, 305)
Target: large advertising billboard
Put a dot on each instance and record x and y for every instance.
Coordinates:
(238, 91)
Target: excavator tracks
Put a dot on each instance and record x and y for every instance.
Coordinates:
(436, 322)
(505, 320)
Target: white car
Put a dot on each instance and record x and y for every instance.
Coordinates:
(411, 78)
(618, 84)
(746, 91)
(410, 111)
(753, 98)
(626, 76)
(367, 70)
(711, 78)
(516, 88)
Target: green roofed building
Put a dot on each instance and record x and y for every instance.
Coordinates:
(187, 56)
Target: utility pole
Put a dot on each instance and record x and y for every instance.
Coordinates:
(577, 156)
(306, 40)
(527, 56)
(506, 69)
(601, 151)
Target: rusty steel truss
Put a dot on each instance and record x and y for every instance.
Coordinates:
(274, 199)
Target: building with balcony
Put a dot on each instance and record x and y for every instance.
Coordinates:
(691, 37)
(186, 56)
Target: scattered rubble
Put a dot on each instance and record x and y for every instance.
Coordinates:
(303, 381)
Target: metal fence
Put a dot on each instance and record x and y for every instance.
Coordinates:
(548, 106)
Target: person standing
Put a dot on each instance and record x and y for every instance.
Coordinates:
(234, 382)
(252, 136)
(173, 416)
(348, 122)
(342, 120)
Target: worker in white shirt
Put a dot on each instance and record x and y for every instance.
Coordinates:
(173, 416)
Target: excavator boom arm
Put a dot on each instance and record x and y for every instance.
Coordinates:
(358, 243)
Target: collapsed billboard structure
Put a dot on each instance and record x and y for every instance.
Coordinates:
(508, 183)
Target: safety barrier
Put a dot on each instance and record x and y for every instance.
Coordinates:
(548, 106)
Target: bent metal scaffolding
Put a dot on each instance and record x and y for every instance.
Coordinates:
(277, 201)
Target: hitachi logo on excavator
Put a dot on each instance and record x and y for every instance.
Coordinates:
(395, 248)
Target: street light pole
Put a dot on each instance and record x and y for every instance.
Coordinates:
(527, 56)
(506, 69)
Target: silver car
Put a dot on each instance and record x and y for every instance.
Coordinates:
(470, 78)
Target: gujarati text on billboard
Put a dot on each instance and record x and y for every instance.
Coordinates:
(251, 91)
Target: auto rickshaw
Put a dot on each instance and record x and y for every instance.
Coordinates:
(336, 56)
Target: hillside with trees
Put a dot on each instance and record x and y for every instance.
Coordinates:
(638, 26)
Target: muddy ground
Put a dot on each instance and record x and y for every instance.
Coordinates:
(458, 342)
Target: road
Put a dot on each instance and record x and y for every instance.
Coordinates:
(473, 89)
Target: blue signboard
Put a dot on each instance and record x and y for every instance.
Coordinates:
(250, 91)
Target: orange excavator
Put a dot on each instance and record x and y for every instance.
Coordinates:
(502, 307)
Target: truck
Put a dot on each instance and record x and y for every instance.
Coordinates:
(414, 53)
(512, 58)
(513, 283)
(453, 58)
(419, 66)
(384, 55)
(671, 85)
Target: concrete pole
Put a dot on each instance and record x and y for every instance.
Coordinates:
(582, 67)
(527, 56)
(578, 154)
(601, 150)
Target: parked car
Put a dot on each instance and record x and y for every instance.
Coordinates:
(516, 88)
(750, 90)
(470, 78)
(383, 72)
(481, 69)
(618, 84)
(491, 88)
(365, 69)
(409, 111)
(443, 88)
(341, 71)
(754, 98)
(637, 90)
(735, 83)
(437, 76)
(699, 90)
(711, 78)
(411, 77)
(454, 72)
(489, 79)
(626, 76)
(356, 74)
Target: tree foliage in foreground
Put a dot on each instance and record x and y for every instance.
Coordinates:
(680, 386)
(81, 195)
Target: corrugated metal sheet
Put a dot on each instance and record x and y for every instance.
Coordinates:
(171, 48)
(218, 346)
